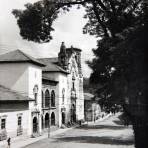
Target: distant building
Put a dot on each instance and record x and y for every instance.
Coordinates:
(49, 91)
(92, 109)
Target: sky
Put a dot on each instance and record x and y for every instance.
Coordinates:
(68, 29)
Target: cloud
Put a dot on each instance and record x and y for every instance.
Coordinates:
(68, 28)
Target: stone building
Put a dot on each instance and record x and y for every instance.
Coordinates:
(62, 77)
(92, 109)
(51, 88)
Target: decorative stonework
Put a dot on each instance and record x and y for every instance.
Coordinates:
(63, 57)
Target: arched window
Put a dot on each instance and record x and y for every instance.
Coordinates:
(47, 98)
(52, 98)
(35, 91)
(42, 99)
(63, 95)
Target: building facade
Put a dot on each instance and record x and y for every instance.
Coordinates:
(52, 88)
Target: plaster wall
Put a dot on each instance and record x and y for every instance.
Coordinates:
(12, 122)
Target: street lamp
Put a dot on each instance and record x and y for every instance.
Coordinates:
(49, 121)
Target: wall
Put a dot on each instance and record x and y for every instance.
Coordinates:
(34, 78)
(65, 105)
(12, 122)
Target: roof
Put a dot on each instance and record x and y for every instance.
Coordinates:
(51, 65)
(73, 48)
(47, 60)
(88, 96)
(51, 80)
(7, 94)
(18, 56)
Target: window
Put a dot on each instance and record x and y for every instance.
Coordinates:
(73, 85)
(63, 95)
(42, 99)
(47, 98)
(53, 98)
(3, 123)
(35, 92)
(19, 121)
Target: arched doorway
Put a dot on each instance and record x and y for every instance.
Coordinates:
(73, 113)
(42, 122)
(63, 118)
(46, 120)
(52, 118)
(35, 125)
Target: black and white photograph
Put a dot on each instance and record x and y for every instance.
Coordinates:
(73, 73)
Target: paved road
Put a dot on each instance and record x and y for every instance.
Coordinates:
(104, 134)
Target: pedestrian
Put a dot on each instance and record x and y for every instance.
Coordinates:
(9, 142)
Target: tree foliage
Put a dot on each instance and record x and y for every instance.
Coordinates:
(115, 66)
(105, 18)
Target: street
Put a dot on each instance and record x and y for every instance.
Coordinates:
(101, 134)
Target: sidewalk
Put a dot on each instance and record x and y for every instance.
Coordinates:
(23, 141)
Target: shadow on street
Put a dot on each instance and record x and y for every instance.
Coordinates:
(110, 127)
(97, 140)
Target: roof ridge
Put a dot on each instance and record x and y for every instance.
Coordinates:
(23, 53)
(48, 58)
(25, 57)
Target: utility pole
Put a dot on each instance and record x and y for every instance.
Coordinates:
(49, 121)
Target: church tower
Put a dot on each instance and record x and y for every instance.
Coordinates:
(63, 57)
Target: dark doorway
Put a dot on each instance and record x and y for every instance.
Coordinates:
(52, 118)
(46, 120)
(42, 122)
(73, 113)
(35, 125)
(63, 118)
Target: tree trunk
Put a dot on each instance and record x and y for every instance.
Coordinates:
(140, 128)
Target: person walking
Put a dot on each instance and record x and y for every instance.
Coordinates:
(9, 142)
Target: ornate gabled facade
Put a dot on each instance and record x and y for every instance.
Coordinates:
(54, 87)
(66, 70)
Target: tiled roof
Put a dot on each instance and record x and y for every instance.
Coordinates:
(18, 56)
(7, 94)
(51, 65)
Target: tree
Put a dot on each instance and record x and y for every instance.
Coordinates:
(122, 24)
(106, 18)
